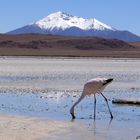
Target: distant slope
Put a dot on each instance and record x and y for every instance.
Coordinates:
(48, 45)
(137, 44)
(61, 23)
(38, 40)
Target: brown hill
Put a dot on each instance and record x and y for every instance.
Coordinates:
(48, 45)
(136, 44)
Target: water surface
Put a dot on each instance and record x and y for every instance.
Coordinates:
(45, 87)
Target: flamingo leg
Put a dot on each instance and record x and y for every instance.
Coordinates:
(94, 106)
(107, 105)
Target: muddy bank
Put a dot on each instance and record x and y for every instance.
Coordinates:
(31, 128)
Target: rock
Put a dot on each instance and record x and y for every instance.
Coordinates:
(135, 101)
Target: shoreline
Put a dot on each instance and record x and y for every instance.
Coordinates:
(15, 127)
(18, 127)
(69, 57)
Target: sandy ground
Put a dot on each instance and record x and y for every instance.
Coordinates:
(30, 128)
(15, 128)
(27, 128)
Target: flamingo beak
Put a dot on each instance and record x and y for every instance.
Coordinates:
(73, 116)
(109, 80)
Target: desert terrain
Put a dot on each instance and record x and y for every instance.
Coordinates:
(49, 45)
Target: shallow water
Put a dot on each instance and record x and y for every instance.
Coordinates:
(49, 87)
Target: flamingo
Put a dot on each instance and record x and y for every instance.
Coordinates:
(92, 87)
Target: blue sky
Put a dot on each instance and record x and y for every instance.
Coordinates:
(121, 14)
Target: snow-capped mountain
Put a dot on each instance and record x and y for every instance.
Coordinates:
(61, 20)
(61, 23)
